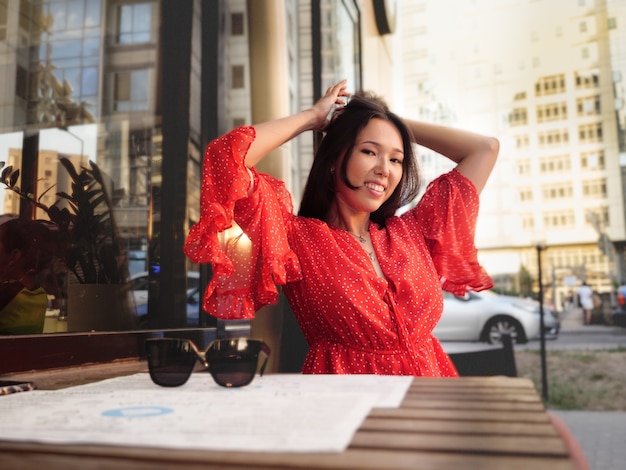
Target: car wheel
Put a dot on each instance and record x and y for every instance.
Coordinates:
(497, 326)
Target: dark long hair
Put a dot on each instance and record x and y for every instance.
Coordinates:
(341, 133)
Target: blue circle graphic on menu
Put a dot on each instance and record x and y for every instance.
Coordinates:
(137, 412)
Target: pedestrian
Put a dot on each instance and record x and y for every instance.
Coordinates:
(364, 284)
(585, 299)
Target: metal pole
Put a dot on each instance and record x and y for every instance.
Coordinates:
(542, 332)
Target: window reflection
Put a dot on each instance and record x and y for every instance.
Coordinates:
(130, 91)
(72, 105)
(134, 23)
(95, 81)
(3, 20)
(340, 37)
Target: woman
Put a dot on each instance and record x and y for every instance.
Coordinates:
(364, 285)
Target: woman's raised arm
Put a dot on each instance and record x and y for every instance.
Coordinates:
(272, 134)
(475, 154)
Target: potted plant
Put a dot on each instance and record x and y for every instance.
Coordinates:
(90, 246)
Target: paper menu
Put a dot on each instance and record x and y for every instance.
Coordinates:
(276, 413)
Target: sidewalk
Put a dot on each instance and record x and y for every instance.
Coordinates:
(601, 434)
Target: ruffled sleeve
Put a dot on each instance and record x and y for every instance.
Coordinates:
(245, 266)
(447, 216)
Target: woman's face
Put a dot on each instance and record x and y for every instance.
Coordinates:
(375, 167)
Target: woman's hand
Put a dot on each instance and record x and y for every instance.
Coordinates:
(272, 134)
(326, 104)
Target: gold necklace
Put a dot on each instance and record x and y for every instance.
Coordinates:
(362, 239)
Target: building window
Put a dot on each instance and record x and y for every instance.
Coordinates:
(550, 85)
(134, 23)
(525, 195)
(587, 80)
(237, 24)
(612, 23)
(528, 222)
(594, 188)
(3, 20)
(553, 138)
(590, 132)
(588, 105)
(130, 90)
(592, 160)
(237, 77)
(552, 112)
(557, 192)
(555, 164)
(522, 141)
(523, 167)
(339, 37)
(518, 117)
(584, 53)
(559, 220)
(582, 27)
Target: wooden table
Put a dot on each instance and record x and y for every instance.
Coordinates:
(464, 423)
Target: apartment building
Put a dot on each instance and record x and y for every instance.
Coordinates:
(545, 77)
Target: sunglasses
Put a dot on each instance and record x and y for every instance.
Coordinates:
(231, 362)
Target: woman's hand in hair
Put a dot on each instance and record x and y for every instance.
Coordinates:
(327, 103)
(272, 134)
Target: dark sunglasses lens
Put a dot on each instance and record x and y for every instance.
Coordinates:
(233, 362)
(170, 361)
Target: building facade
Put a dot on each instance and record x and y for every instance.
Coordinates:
(545, 77)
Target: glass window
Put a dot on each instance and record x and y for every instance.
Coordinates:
(130, 92)
(89, 83)
(75, 14)
(238, 79)
(134, 23)
(76, 103)
(93, 9)
(340, 45)
(3, 20)
(237, 24)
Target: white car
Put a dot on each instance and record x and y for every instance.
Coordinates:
(485, 316)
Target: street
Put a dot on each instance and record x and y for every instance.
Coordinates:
(574, 335)
(583, 337)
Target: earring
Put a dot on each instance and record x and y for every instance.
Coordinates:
(332, 171)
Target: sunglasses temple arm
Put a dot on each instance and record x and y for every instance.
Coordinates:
(266, 352)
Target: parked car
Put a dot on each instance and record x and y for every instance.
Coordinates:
(139, 287)
(485, 316)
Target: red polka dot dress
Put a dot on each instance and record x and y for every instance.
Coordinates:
(354, 321)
